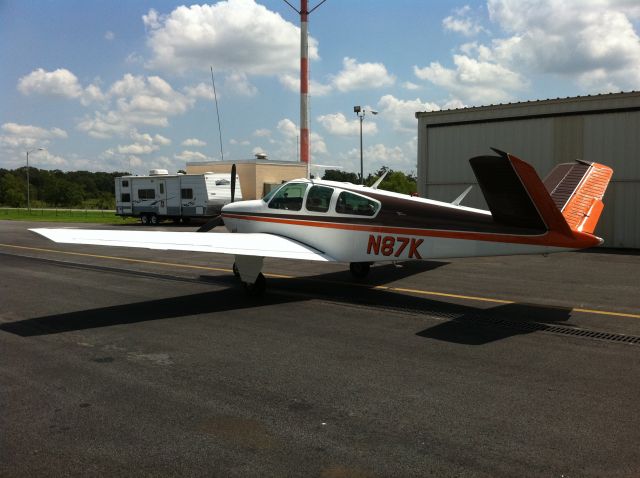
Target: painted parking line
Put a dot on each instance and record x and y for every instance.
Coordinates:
(282, 276)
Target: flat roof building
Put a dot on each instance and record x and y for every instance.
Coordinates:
(257, 176)
(599, 128)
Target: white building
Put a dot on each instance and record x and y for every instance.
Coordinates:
(601, 128)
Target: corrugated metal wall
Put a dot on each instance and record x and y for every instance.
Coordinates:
(612, 138)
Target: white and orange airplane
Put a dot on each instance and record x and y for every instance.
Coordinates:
(332, 221)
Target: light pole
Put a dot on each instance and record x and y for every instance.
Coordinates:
(28, 183)
(359, 111)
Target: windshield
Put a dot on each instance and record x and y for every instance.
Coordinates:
(270, 194)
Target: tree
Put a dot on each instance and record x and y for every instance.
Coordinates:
(12, 190)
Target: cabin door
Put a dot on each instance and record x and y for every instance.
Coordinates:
(162, 197)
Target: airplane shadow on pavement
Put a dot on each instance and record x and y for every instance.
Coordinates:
(462, 324)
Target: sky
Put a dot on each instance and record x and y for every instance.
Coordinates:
(114, 85)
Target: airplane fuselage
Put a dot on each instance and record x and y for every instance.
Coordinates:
(384, 226)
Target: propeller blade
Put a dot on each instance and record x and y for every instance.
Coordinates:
(233, 182)
(211, 223)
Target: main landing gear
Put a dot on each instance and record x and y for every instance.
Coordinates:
(249, 270)
(360, 270)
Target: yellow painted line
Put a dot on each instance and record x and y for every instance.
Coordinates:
(282, 276)
(115, 258)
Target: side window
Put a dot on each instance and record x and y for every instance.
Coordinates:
(125, 184)
(125, 197)
(146, 193)
(186, 193)
(289, 197)
(349, 203)
(319, 198)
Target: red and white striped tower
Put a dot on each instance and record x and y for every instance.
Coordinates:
(304, 84)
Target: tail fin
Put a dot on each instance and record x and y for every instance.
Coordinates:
(569, 201)
(577, 190)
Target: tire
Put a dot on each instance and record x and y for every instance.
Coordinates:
(144, 219)
(153, 220)
(257, 288)
(236, 272)
(360, 270)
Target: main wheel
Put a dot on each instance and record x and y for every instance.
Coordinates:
(257, 288)
(359, 270)
(236, 272)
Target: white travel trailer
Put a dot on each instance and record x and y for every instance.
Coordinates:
(161, 195)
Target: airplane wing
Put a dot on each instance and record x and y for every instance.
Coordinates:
(255, 244)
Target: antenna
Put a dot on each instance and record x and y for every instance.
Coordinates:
(215, 96)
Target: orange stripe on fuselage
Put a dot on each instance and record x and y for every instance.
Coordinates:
(550, 238)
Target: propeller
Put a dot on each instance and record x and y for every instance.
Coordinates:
(217, 221)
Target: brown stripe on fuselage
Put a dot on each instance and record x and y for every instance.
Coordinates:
(406, 213)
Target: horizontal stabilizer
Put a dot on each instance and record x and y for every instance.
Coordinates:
(577, 190)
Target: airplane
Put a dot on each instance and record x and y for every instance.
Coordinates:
(318, 220)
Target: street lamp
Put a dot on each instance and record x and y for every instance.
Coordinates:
(359, 111)
(28, 193)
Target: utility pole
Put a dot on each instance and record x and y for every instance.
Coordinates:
(359, 111)
(29, 182)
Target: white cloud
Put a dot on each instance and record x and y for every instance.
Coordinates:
(16, 136)
(592, 41)
(60, 82)
(378, 155)
(401, 113)
(188, 155)
(356, 75)
(194, 142)
(238, 36)
(462, 21)
(338, 124)
(238, 83)
(137, 100)
(408, 85)
(109, 35)
(200, 90)
(474, 81)
(262, 133)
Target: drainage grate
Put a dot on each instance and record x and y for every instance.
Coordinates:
(558, 329)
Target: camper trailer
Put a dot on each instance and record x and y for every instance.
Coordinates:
(161, 196)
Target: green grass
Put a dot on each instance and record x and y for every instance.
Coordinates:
(64, 215)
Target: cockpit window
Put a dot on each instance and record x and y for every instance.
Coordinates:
(267, 197)
(319, 198)
(289, 197)
(349, 203)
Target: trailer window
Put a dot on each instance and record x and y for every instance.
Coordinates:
(319, 198)
(125, 184)
(222, 182)
(349, 203)
(146, 193)
(125, 197)
(186, 193)
(289, 197)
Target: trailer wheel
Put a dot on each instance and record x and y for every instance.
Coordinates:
(153, 220)
(144, 219)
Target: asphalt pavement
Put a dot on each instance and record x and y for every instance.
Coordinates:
(132, 362)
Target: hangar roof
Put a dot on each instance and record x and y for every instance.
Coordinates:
(613, 102)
